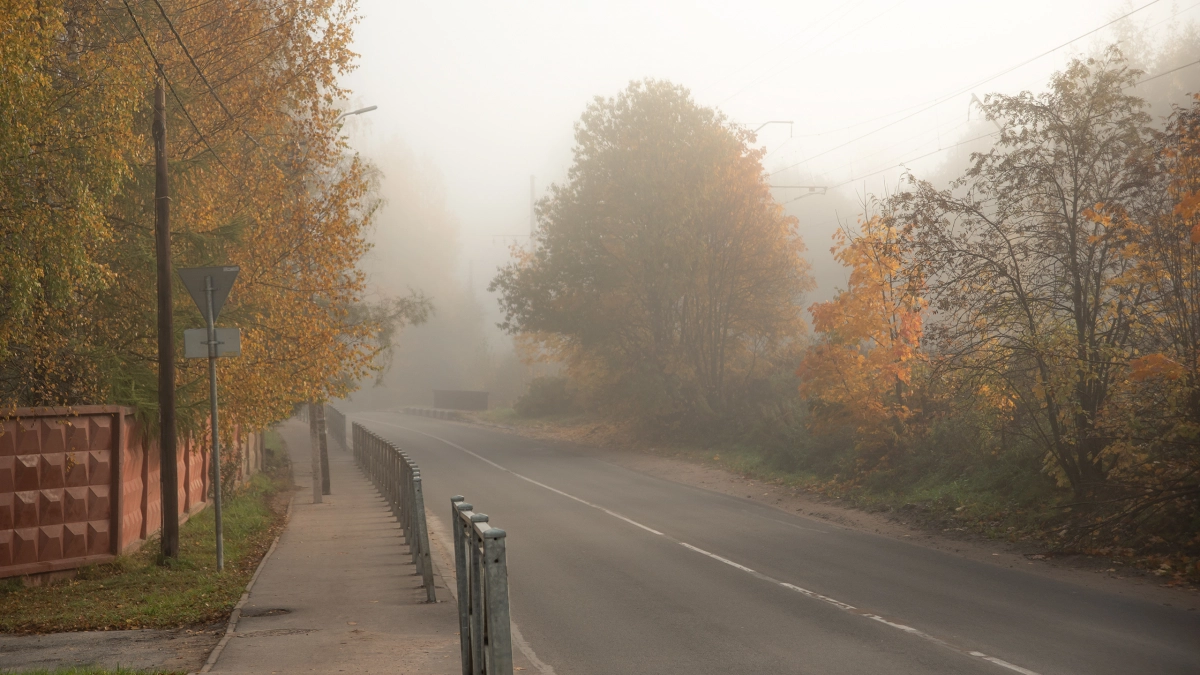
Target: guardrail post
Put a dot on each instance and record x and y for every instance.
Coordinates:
(423, 538)
(481, 568)
(477, 607)
(457, 507)
(495, 564)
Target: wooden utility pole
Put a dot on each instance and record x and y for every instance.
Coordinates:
(316, 423)
(168, 467)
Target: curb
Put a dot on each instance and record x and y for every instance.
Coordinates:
(237, 609)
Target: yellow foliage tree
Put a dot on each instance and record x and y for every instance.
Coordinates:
(260, 178)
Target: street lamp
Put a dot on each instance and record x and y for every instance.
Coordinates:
(355, 112)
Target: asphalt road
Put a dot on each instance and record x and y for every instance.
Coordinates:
(614, 571)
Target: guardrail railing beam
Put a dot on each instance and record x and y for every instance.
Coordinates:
(398, 480)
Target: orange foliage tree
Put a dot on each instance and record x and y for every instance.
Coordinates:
(1155, 417)
(860, 371)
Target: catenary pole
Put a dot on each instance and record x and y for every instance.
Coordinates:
(168, 467)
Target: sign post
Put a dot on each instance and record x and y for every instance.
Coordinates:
(209, 287)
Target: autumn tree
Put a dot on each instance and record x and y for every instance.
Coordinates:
(859, 372)
(67, 96)
(1155, 422)
(663, 265)
(261, 177)
(1025, 273)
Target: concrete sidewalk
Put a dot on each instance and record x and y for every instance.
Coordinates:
(340, 593)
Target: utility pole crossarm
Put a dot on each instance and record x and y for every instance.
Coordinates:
(787, 122)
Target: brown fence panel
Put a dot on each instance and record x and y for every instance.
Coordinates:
(131, 527)
(80, 485)
(57, 483)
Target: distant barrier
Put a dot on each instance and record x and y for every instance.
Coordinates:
(335, 425)
(481, 567)
(399, 481)
(436, 413)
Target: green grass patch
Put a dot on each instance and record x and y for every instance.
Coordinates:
(90, 670)
(136, 592)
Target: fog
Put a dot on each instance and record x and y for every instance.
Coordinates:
(474, 98)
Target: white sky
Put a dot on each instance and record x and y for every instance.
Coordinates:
(489, 91)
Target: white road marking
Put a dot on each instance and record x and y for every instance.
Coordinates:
(758, 575)
(543, 667)
(556, 491)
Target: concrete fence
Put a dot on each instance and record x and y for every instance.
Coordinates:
(399, 481)
(81, 485)
(481, 565)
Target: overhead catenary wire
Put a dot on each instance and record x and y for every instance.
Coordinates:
(1165, 73)
(855, 125)
(904, 163)
(963, 90)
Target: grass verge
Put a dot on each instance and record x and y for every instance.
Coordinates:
(136, 592)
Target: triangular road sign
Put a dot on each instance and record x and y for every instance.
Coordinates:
(222, 279)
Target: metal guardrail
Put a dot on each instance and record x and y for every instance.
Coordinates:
(399, 481)
(335, 423)
(482, 571)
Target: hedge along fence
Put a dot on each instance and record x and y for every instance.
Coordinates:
(80, 485)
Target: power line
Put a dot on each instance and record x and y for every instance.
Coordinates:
(964, 90)
(935, 130)
(1168, 72)
(913, 159)
(200, 72)
(163, 73)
